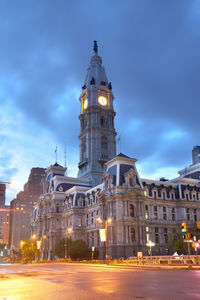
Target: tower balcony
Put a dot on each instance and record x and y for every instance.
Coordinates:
(83, 163)
(103, 158)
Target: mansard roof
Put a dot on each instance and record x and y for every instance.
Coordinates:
(123, 155)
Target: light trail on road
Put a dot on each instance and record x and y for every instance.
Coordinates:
(83, 282)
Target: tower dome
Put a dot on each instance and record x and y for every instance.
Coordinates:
(96, 75)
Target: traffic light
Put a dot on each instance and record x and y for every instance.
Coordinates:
(184, 236)
(190, 236)
(198, 224)
(184, 227)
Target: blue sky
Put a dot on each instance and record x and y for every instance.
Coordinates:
(150, 51)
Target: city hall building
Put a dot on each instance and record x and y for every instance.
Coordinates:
(108, 191)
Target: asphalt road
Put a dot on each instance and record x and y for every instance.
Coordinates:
(81, 282)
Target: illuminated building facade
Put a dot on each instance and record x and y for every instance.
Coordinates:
(109, 187)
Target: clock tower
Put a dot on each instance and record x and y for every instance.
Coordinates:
(97, 132)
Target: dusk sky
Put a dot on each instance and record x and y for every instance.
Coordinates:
(150, 50)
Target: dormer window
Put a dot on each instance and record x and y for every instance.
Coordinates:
(130, 177)
(92, 81)
(131, 181)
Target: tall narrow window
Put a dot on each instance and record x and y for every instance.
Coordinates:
(146, 212)
(57, 208)
(188, 213)
(131, 181)
(148, 234)
(173, 214)
(87, 219)
(92, 218)
(155, 212)
(131, 210)
(104, 143)
(80, 221)
(166, 235)
(102, 121)
(83, 148)
(164, 213)
(195, 214)
(154, 195)
(132, 234)
(156, 235)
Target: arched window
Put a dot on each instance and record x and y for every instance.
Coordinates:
(131, 210)
(132, 234)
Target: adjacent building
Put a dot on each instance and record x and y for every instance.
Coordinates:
(21, 208)
(109, 191)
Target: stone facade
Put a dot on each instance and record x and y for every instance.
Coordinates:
(97, 132)
(109, 188)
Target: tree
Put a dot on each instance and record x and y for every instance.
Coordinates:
(62, 248)
(29, 250)
(176, 242)
(77, 249)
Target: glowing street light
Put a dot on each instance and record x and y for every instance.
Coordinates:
(69, 230)
(21, 244)
(150, 244)
(6, 182)
(34, 236)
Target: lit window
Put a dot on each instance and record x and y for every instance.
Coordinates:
(132, 234)
(131, 210)
(79, 221)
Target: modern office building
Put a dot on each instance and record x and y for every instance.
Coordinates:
(21, 208)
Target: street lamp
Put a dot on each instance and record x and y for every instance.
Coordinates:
(109, 220)
(4, 182)
(69, 230)
(150, 244)
(34, 236)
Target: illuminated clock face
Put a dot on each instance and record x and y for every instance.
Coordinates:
(102, 100)
(85, 103)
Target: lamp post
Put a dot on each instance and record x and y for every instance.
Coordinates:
(4, 182)
(69, 230)
(109, 220)
(150, 244)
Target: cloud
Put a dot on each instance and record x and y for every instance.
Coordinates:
(150, 50)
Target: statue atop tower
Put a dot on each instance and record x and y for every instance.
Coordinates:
(95, 47)
(97, 132)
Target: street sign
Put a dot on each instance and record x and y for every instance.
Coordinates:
(198, 224)
(38, 245)
(188, 241)
(139, 254)
(102, 235)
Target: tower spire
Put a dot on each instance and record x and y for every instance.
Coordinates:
(95, 47)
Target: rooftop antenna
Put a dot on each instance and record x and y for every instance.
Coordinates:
(65, 156)
(56, 150)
